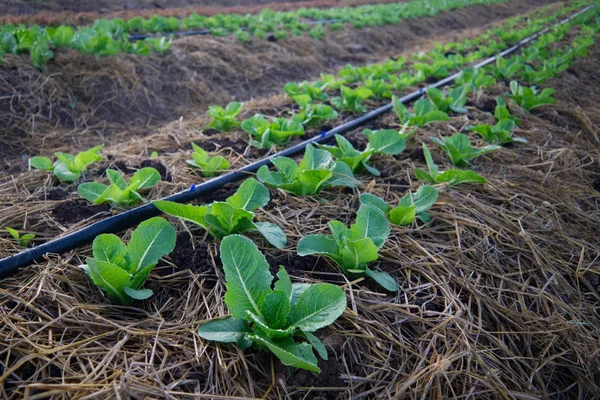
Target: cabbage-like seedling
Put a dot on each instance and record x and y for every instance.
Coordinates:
(311, 114)
(350, 99)
(121, 270)
(411, 206)
(315, 91)
(272, 318)
(277, 132)
(234, 215)
(317, 171)
(451, 177)
(530, 97)
(120, 192)
(354, 248)
(67, 167)
(454, 100)
(501, 133)
(207, 164)
(23, 240)
(224, 119)
(424, 113)
(459, 150)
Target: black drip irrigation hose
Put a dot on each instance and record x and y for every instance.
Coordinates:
(141, 36)
(127, 219)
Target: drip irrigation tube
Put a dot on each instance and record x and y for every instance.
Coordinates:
(141, 36)
(127, 219)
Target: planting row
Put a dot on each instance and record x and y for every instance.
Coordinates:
(109, 37)
(271, 318)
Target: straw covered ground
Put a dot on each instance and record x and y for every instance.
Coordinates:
(499, 293)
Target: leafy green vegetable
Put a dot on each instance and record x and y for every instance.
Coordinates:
(454, 100)
(223, 119)
(530, 98)
(23, 240)
(355, 247)
(459, 150)
(350, 99)
(68, 167)
(271, 318)
(424, 113)
(475, 78)
(316, 171)
(501, 111)
(507, 68)
(315, 90)
(234, 215)
(310, 114)
(209, 165)
(451, 177)
(499, 133)
(120, 270)
(273, 133)
(410, 206)
(119, 192)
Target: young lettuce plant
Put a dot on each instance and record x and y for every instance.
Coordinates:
(502, 112)
(224, 119)
(120, 192)
(386, 141)
(507, 68)
(452, 177)
(475, 78)
(120, 270)
(350, 99)
(412, 205)
(67, 167)
(316, 171)
(352, 249)
(311, 115)
(499, 133)
(23, 240)
(273, 133)
(454, 100)
(234, 215)
(424, 113)
(459, 150)
(272, 318)
(529, 98)
(315, 91)
(207, 164)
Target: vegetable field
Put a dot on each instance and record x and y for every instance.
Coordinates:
(342, 200)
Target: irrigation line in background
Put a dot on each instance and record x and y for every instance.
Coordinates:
(127, 219)
(141, 36)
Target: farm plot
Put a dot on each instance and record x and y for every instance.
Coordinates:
(470, 268)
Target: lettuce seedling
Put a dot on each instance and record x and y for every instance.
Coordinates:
(120, 270)
(119, 192)
(424, 113)
(530, 98)
(273, 133)
(350, 99)
(454, 100)
(451, 177)
(412, 205)
(316, 171)
(507, 68)
(68, 168)
(315, 90)
(310, 114)
(224, 119)
(23, 240)
(272, 318)
(234, 215)
(499, 133)
(459, 150)
(475, 78)
(502, 112)
(352, 249)
(379, 87)
(386, 141)
(207, 164)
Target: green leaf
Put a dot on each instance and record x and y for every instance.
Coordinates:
(276, 308)
(247, 275)
(91, 191)
(115, 178)
(150, 241)
(371, 223)
(383, 279)
(80, 162)
(423, 199)
(387, 141)
(317, 345)
(317, 244)
(109, 278)
(43, 163)
(109, 248)
(225, 330)
(187, 212)
(284, 284)
(403, 215)
(63, 173)
(138, 294)
(357, 253)
(297, 290)
(319, 306)
(145, 178)
(457, 176)
(273, 233)
(250, 196)
(298, 355)
(376, 202)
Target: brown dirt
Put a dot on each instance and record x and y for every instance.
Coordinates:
(79, 100)
(498, 295)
